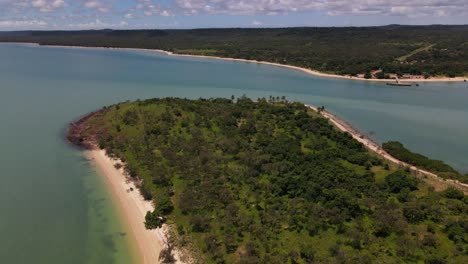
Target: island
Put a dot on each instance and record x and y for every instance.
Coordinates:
(268, 181)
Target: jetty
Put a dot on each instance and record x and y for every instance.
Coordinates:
(398, 83)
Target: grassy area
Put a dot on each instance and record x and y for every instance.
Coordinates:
(414, 52)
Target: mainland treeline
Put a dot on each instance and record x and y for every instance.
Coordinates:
(422, 50)
(442, 169)
(273, 182)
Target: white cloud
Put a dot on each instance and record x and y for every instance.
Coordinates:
(46, 5)
(99, 5)
(256, 23)
(147, 8)
(409, 8)
(58, 13)
(141, 8)
(97, 24)
(165, 13)
(22, 23)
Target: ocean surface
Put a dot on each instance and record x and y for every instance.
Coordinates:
(54, 208)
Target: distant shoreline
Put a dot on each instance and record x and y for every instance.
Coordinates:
(308, 71)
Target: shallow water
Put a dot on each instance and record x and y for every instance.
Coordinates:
(54, 209)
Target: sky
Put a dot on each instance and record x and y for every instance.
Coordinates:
(165, 14)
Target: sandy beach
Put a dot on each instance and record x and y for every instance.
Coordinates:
(308, 71)
(133, 208)
(317, 73)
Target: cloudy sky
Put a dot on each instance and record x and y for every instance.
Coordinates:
(98, 14)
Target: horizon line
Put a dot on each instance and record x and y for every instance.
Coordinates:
(240, 27)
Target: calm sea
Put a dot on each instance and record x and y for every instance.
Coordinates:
(53, 206)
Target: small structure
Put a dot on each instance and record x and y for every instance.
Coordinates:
(411, 76)
(398, 83)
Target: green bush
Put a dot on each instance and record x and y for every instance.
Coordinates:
(153, 220)
(400, 180)
(453, 193)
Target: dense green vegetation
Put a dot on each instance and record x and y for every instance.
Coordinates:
(273, 182)
(425, 50)
(443, 170)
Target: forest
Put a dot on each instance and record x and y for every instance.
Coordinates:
(436, 50)
(271, 181)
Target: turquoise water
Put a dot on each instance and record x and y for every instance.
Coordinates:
(54, 209)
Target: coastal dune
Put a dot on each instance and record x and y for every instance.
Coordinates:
(148, 243)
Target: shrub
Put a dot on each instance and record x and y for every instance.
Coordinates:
(153, 220)
(164, 205)
(400, 180)
(453, 193)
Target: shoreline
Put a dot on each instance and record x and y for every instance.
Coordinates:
(297, 68)
(132, 208)
(373, 146)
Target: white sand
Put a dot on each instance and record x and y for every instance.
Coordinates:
(133, 208)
